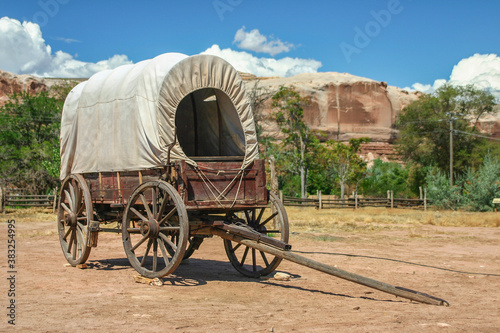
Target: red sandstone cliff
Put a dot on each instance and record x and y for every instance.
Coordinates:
(12, 83)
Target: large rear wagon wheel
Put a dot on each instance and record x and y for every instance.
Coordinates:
(155, 219)
(74, 215)
(271, 221)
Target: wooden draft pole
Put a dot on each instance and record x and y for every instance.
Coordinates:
(286, 254)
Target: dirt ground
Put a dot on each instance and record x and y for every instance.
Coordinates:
(460, 265)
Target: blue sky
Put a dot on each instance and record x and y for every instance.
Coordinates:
(402, 42)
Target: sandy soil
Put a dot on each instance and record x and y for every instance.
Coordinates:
(460, 265)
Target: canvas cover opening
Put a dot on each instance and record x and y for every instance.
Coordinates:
(208, 125)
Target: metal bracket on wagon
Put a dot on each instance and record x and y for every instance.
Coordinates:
(94, 226)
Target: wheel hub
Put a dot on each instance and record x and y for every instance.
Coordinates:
(150, 228)
(70, 219)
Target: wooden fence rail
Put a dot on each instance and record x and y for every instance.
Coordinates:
(16, 198)
(357, 202)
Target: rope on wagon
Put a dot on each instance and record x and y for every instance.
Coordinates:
(221, 194)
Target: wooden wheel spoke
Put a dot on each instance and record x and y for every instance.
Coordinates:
(77, 198)
(247, 215)
(268, 219)
(154, 201)
(170, 228)
(139, 243)
(146, 206)
(263, 254)
(163, 250)
(73, 195)
(66, 234)
(168, 241)
(244, 256)
(155, 255)
(75, 244)
(82, 227)
(163, 205)
(139, 215)
(148, 247)
(71, 240)
(80, 209)
(66, 208)
(70, 200)
(254, 260)
(169, 215)
(257, 221)
(236, 247)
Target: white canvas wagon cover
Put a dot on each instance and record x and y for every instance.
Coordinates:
(125, 119)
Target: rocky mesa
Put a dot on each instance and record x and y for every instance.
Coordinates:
(345, 106)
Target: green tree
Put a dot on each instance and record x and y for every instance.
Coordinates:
(425, 125)
(385, 176)
(299, 142)
(482, 186)
(344, 163)
(439, 191)
(29, 141)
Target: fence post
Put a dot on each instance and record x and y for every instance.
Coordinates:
(425, 199)
(2, 203)
(420, 190)
(392, 199)
(54, 204)
(281, 196)
(320, 201)
(355, 200)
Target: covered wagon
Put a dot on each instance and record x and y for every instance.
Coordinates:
(165, 152)
(162, 151)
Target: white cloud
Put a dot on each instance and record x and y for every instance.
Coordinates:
(24, 51)
(245, 62)
(255, 41)
(481, 70)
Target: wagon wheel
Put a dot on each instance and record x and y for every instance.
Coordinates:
(73, 219)
(271, 221)
(154, 215)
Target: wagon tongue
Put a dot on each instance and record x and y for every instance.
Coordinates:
(249, 233)
(280, 249)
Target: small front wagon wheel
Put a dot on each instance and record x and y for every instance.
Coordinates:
(271, 221)
(74, 215)
(155, 216)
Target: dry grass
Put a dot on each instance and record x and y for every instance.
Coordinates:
(309, 219)
(30, 215)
